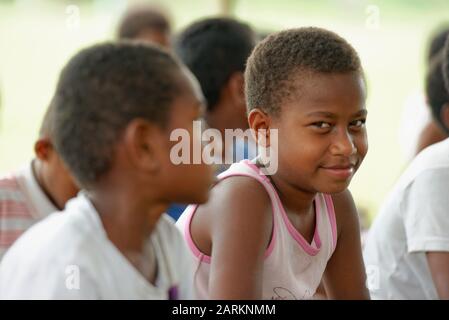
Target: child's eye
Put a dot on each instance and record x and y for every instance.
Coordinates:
(357, 124)
(321, 125)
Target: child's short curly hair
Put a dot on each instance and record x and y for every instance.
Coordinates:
(100, 91)
(275, 63)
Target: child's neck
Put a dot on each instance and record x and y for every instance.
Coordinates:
(127, 219)
(293, 199)
(37, 170)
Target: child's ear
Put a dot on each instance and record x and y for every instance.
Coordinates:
(445, 115)
(260, 125)
(143, 144)
(43, 148)
(236, 84)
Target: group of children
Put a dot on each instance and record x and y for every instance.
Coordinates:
(103, 177)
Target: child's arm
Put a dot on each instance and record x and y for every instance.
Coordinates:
(439, 268)
(345, 277)
(240, 232)
(427, 225)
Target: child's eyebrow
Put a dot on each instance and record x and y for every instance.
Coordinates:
(322, 114)
(331, 115)
(362, 112)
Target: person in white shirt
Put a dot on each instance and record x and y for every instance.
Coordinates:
(406, 252)
(69, 256)
(115, 107)
(418, 127)
(31, 193)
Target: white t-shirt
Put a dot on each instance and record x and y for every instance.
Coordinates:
(413, 220)
(69, 256)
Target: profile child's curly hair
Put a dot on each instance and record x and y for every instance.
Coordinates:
(100, 91)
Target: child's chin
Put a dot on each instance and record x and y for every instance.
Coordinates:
(335, 187)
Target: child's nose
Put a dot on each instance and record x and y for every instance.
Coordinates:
(343, 144)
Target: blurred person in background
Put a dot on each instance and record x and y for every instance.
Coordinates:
(417, 128)
(146, 22)
(407, 248)
(215, 50)
(113, 122)
(438, 104)
(41, 187)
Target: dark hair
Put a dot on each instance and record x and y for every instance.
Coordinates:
(282, 56)
(100, 91)
(213, 49)
(445, 67)
(47, 126)
(437, 40)
(437, 95)
(141, 17)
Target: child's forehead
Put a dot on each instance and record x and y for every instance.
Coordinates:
(322, 86)
(327, 91)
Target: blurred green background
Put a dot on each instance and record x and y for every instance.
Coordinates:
(37, 37)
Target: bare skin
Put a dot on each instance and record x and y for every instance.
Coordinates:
(52, 175)
(434, 132)
(431, 134)
(151, 35)
(439, 268)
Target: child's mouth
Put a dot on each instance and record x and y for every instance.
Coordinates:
(340, 172)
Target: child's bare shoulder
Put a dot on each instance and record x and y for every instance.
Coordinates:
(235, 203)
(238, 193)
(345, 209)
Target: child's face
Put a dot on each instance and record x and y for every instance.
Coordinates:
(187, 183)
(322, 135)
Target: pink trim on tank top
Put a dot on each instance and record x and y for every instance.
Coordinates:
(197, 253)
(205, 258)
(307, 247)
(257, 170)
(331, 211)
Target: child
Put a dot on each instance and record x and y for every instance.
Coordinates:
(115, 107)
(418, 128)
(215, 50)
(407, 249)
(278, 236)
(147, 23)
(32, 193)
(438, 103)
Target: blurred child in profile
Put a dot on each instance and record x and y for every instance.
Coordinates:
(115, 107)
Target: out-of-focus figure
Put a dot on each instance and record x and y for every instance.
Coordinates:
(146, 22)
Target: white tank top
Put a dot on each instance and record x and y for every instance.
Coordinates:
(293, 268)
